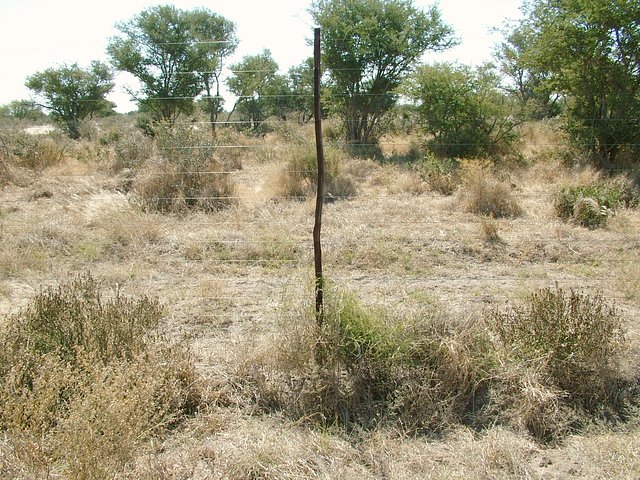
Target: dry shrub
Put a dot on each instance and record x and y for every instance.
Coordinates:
(84, 379)
(364, 367)
(36, 152)
(131, 148)
(300, 175)
(185, 176)
(566, 347)
(441, 174)
(483, 193)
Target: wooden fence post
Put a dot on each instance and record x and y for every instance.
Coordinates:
(317, 247)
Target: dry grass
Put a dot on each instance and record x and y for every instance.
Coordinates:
(483, 193)
(409, 345)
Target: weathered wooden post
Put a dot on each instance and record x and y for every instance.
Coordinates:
(317, 247)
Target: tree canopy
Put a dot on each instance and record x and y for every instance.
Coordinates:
(175, 54)
(589, 51)
(72, 94)
(369, 46)
(461, 109)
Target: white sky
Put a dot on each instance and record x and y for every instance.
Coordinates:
(39, 34)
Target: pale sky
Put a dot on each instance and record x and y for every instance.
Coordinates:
(39, 34)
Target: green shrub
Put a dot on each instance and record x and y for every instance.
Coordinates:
(575, 340)
(591, 205)
(441, 175)
(365, 367)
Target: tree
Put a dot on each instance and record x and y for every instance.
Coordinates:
(22, 109)
(369, 46)
(216, 39)
(257, 86)
(72, 94)
(529, 85)
(175, 55)
(591, 51)
(462, 109)
(300, 79)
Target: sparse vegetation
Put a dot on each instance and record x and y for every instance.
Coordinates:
(416, 342)
(483, 193)
(85, 379)
(185, 175)
(300, 173)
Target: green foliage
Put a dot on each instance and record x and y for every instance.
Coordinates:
(175, 54)
(440, 173)
(369, 46)
(591, 205)
(364, 367)
(528, 84)
(589, 51)
(22, 109)
(576, 339)
(462, 110)
(205, 27)
(73, 94)
(186, 175)
(257, 85)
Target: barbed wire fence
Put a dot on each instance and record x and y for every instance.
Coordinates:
(294, 240)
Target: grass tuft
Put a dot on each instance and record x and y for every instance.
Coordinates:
(484, 194)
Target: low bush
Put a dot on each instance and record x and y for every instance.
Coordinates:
(300, 175)
(592, 204)
(131, 148)
(186, 175)
(365, 368)
(84, 379)
(441, 174)
(543, 367)
(565, 346)
(36, 152)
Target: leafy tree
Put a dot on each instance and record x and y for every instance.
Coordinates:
(462, 109)
(529, 85)
(23, 109)
(369, 46)
(591, 51)
(216, 39)
(72, 94)
(300, 79)
(257, 86)
(174, 54)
